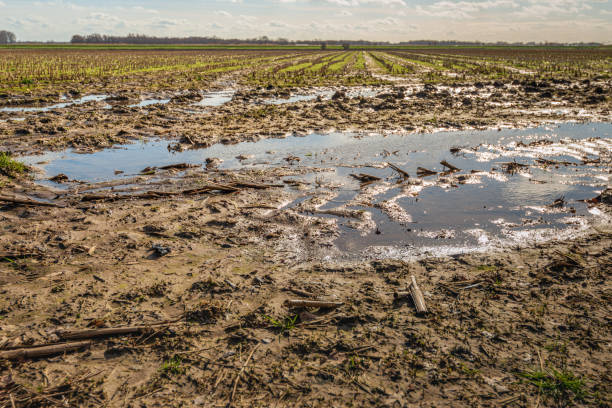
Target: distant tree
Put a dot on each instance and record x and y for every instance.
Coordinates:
(6, 37)
(77, 39)
(346, 46)
(323, 46)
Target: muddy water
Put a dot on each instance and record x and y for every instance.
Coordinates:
(490, 202)
(80, 101)
(324, 94)
(217, 98)
(149, 102)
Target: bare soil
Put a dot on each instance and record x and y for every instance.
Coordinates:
(220, 265)
(400, 108)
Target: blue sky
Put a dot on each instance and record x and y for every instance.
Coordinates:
(391, 20)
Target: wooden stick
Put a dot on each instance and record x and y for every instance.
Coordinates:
(301, 292)
(210, 186)
(179, 166)
(423, 172)
(35, 352)
(509, 400)
(19, 254)
(450, 166)
(109, 331)
(26, 201)
(256, 186)
(400, 171)
(417, 296)
(365, 178)
(237, 380)
(189, 139)
(313, 303)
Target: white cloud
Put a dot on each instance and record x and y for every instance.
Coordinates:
(545, 8)
(278, 24)
(141, 9)
(165, 23)
(28, 22)
(222, 13)
(393, 20)
(249, 19)
(462, 9)
(98, 18)
(357, 3)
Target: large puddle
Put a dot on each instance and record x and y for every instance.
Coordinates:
(513, 186)
(323, 94)
(214, 98)
(79, 101)
(217, 98)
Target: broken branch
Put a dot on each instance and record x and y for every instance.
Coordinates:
(423, 172)
(417, 296)
(27, 201)
(449, 166)
(400, 171)
(313, 303)
(110, 331)
(43, 351)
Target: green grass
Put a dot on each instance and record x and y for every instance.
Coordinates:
(391, 67)
(557, 347)
(562, 386)
(285, 325)
(297, 67)
(11, 167)
(173, 366)
(360, 62)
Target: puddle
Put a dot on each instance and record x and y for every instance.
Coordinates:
(12, 120)
(217, 98)
(80, 101)
(325, 94)
(490, 202)
(149, 102)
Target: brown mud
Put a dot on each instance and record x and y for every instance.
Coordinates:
(399, 108)
(221, 263)
(215, 253)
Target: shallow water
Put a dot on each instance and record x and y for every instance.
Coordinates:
(324, 94)
(483, 208)
(80, 101)
(216, 98)
(13, 120)
(149, 102)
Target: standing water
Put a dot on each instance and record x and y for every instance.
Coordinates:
(512, 186)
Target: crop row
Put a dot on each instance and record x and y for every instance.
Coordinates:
(28, 70)
(435, 66)
(32, 70)
(335, 68)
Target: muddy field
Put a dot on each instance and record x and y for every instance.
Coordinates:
(246, 231)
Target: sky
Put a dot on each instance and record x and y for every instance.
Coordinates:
(375, 20)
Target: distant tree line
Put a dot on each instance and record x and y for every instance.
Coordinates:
(6, 37)
(145, 39)
(346, 44)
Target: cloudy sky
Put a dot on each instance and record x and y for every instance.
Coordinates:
(391, 20)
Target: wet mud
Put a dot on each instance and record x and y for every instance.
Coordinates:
(238, 113)
(199, 221)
